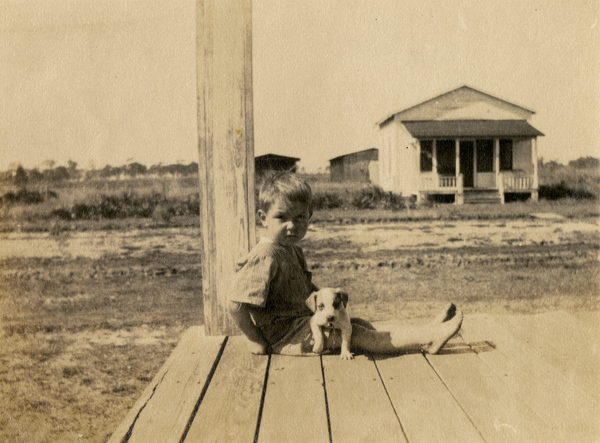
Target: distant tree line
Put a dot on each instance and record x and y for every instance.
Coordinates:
(580, 163)
(22, 177)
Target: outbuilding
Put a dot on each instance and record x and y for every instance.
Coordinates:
(361, 166)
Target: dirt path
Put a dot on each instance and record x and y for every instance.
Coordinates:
(369, 237)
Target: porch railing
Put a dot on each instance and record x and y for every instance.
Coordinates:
(432, 182)
(447, 182)
(515, 182)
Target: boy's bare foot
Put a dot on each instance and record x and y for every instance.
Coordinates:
(448, 313)
(444, 332)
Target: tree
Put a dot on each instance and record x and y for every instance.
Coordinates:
(134, 169)
(35, 176)
(585, 163)
(74, 174)
(21, 177)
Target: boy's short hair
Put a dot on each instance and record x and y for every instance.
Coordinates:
(286, 185)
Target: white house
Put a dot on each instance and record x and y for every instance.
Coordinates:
(464, 143)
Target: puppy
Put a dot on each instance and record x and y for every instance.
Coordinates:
(329, 307)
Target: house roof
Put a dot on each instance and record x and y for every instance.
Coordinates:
(461, 103)
(471, 128)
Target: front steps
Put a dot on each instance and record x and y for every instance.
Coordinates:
(481, 196)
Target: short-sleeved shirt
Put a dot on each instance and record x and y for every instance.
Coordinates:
(275, 282)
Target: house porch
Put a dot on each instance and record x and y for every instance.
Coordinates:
(493, 167)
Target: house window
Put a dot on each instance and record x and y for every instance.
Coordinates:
(506, 154)
(446, 157)
(426, 155)
(485, 155)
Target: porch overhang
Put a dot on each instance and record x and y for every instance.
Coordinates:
(470, 128)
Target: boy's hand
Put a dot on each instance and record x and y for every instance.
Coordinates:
(258, 348)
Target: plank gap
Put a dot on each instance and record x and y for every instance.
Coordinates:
(452, 394)
(389, 397)
(204, 389)
(326, 402)
(130, 431)
(262, 400)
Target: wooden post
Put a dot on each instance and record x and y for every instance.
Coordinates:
(226, 149)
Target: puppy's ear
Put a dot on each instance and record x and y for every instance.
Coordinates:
(343, 295)
(311, 302)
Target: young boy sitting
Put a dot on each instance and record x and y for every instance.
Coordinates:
(269, 292)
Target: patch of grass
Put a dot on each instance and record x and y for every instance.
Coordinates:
(169, 201)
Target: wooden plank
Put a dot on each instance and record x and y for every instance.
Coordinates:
(294, 407)
(573, 415)
(498, 414)
(193, 335)
(225, 148)
(590, 319)
(560, 341)
(427, 411)
(166, 414)
(230, 408)
(359, 408)
(558, 334)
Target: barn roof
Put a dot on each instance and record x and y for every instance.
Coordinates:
(275, 157)
(375, 151)
(471, 128)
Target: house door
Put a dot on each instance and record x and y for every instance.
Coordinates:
(467, 149)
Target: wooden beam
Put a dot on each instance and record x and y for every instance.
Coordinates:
(226, 149)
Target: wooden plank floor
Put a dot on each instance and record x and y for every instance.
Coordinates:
(502, 379)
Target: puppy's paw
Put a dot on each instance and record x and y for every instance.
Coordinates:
(318, 348)
(346, 355)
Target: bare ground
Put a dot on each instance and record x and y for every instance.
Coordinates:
(89, 317)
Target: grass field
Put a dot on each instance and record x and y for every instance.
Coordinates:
(158, 201)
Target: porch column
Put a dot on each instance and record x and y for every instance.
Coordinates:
(434, 158)
(534, 158)
(457, 159)
(225, 148)
(497, 162)
(459, 199)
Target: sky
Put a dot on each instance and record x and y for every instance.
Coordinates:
(114, 81)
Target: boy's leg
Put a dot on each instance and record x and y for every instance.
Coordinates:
(429, 338)
(360, 322)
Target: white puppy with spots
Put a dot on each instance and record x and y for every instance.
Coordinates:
(329, 307)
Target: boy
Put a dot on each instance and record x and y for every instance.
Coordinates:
(268, 294)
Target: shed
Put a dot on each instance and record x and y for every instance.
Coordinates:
(361, 166)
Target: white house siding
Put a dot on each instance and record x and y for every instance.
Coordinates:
(374, 172)
(398, 160)
(385, 144)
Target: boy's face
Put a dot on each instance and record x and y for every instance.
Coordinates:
(286, 223)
